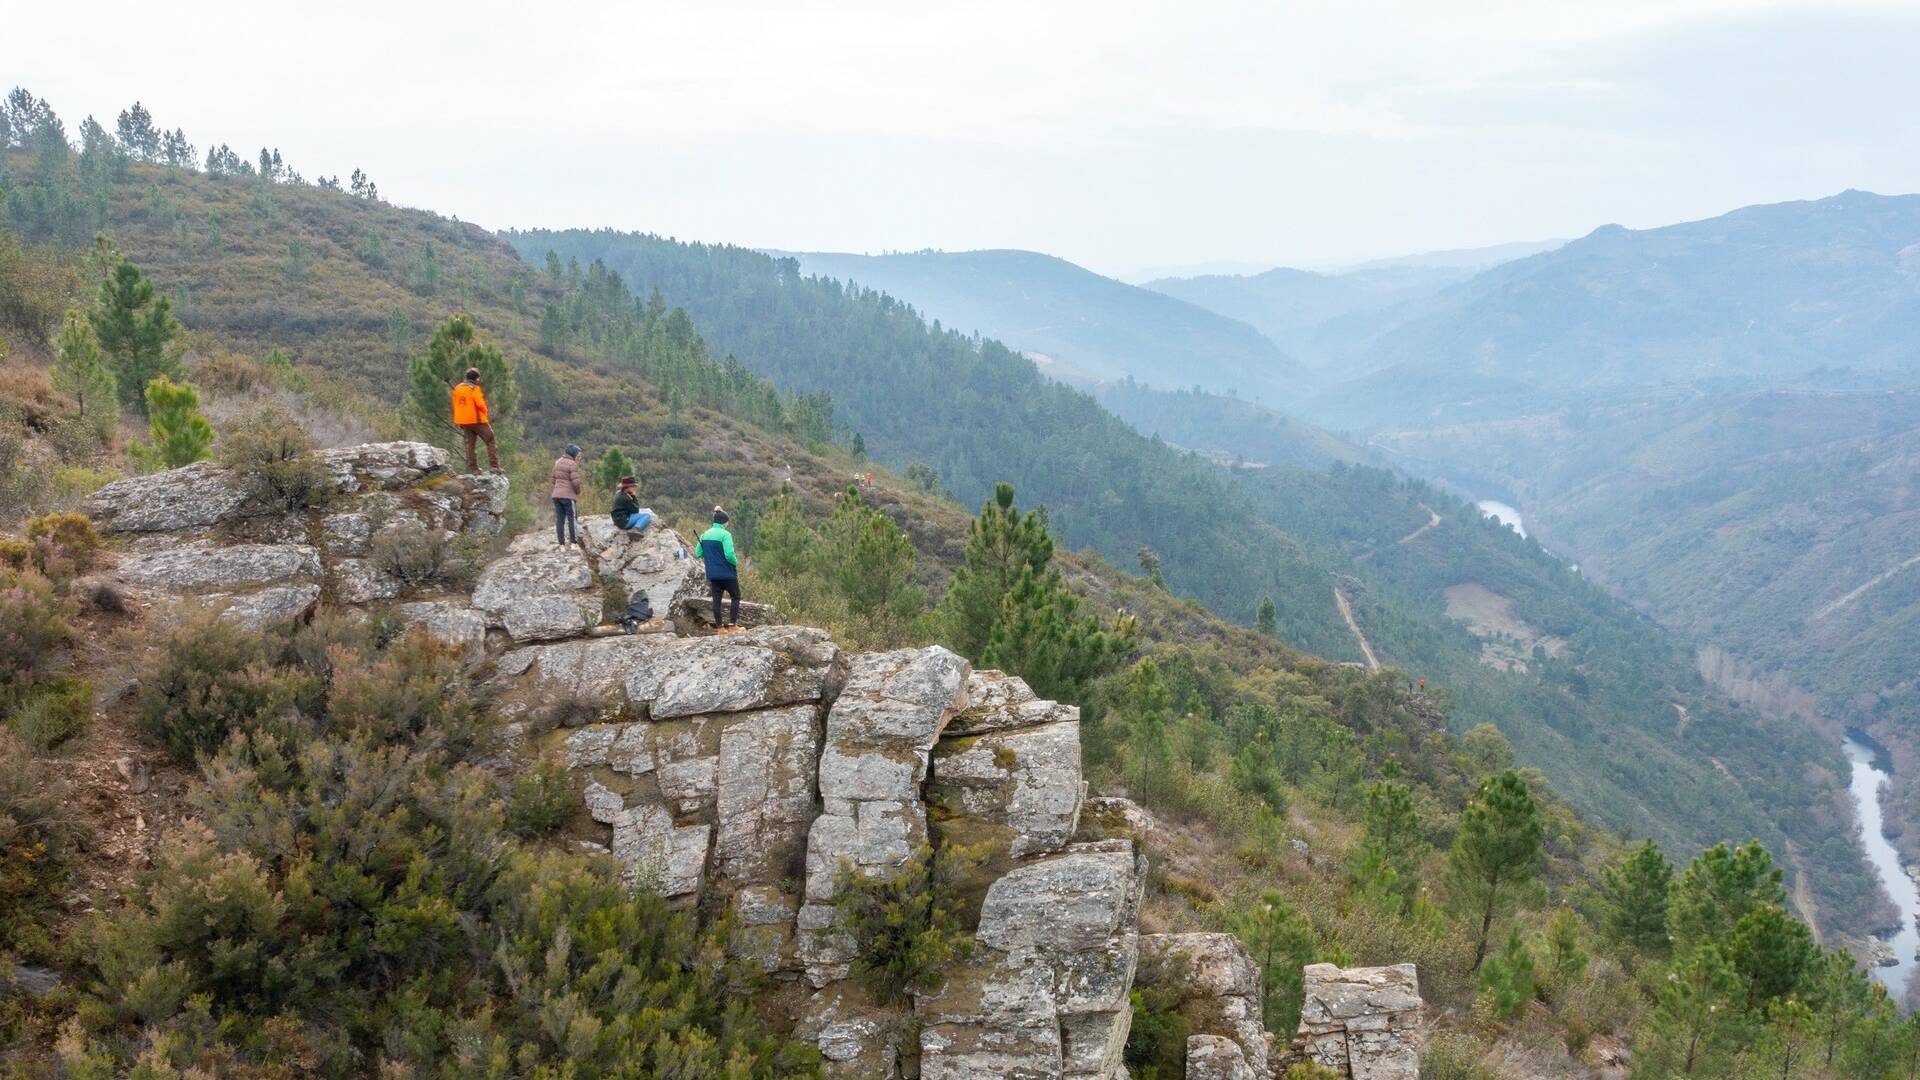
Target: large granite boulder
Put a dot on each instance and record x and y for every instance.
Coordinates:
(539, 592)
(1216, 1057)
(879, 738)
(760, 668)
(203, 566)
(583, 681)
(1362, 1022)
(375, 466)
(1011, 778)
(656, 563)
(197, 496)
(450, 623)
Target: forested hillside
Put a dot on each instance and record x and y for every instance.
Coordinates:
(920, 394)
(1088, 327)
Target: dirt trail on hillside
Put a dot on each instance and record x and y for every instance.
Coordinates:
(1346, 612)
(1855, 594)
(1803, 893)
(1433, 519)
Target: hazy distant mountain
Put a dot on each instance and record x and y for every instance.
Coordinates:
(1311, 315)
(1470, 259)
(1759, 297)
(1200, 269)
(1325, 318)
(1082, 326)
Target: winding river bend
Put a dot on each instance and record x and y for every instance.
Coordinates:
(1504, 514)
(1870, 775)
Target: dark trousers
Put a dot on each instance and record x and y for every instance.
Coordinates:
(565, 525)
(483, 432)
(727, 587)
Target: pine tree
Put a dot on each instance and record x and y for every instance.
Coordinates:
(1281, 943)
(783, 544)
(137, 133)
(1002, 543)
(868, 560)
(1150, 566)
(1771, 950)
(1566, 957)
(176, 151)
(1042, 637)
(135, 326)
(1496, 853)
(1697, 1020)
(1507, 979)
(1391, 840)
(80, 373)
(1718, 889)
(1633, 892)
(1264, 616)
(181, 434)
(606, 472)
(456, 346)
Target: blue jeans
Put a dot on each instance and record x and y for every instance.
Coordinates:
(639, 522)
(564, 522)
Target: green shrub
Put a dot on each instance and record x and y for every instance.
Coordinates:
(907, 924)
(208, 678)
(417, 690)
(540, 800)
(421, 557)
(1157, 1041)
(64, 545)
(1453, 1057)
(275, 461)
(33, 628)
(37, 842)
(1311, 1070)
(54, 712)
(367, 898)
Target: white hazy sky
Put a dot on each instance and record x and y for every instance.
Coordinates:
(1119, 134)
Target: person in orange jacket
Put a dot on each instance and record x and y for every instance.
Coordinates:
(470, 416)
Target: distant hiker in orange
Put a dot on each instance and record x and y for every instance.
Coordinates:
(470, 416)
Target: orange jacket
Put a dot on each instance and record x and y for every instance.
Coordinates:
(469, 404)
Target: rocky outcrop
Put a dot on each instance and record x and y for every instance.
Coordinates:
(754, 774)
(1366, 1023)
(194, 537)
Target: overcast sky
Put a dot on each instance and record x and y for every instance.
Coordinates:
(1120, 135)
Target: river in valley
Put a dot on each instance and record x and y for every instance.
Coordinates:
(1504, 514)
(1870, 768)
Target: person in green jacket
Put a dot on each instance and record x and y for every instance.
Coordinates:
(723, 568)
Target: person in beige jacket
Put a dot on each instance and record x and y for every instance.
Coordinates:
(566, 488)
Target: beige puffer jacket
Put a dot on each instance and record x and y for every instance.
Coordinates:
(566, 478)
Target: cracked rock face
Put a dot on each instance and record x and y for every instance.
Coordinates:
(1362, 1022)
(198, 539)
(196, 496)
(450, 623)
(656, 563)
(879, 740)
(760, 668)
(539, 593)
(1011, 774)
